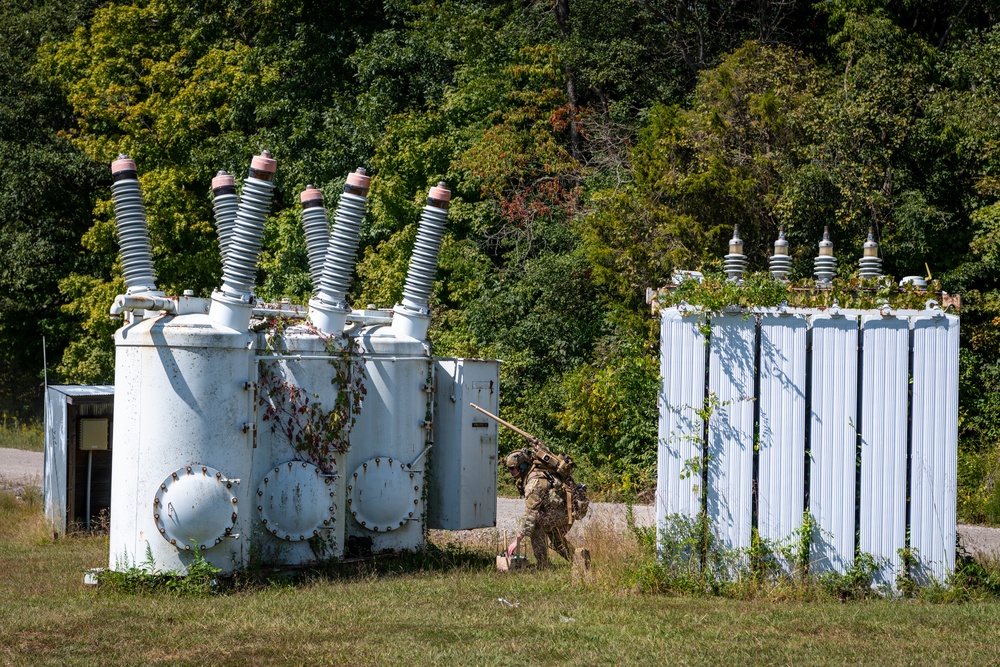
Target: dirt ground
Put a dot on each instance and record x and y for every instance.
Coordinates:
(20, 469)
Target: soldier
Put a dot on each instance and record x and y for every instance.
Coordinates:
(545, 520)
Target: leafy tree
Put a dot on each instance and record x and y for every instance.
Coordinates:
(45, 193)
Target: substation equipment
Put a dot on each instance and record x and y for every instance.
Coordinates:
(845, 417)
(234, 435)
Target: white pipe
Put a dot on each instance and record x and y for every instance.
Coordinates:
(131, 302)
(90, 467)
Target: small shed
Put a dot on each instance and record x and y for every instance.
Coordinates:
(78, 427)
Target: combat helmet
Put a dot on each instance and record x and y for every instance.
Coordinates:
(520, 459)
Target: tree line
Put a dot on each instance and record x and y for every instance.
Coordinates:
(592, 146)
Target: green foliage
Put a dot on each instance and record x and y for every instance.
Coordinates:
(144, 578)
(15, 434)
(611, 411)
(45, 191)
(856, 583)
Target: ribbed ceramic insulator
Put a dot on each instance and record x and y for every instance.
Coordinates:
(423, 263)
(317, 232)
(781, 266)
(239, 270)
(342, 251)
(735, 265)
(871, 267)
(133, 233)
(225, 204)
(825, 269)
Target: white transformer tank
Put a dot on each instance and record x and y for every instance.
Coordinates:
(298, 480)
(390, 443)
(183, 443)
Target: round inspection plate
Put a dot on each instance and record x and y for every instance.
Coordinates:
(296, 501)
(195, 506)
(384, 494)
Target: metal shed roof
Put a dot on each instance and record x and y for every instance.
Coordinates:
(79, 393)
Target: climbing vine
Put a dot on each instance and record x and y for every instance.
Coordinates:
(316, 431)
(716, 294)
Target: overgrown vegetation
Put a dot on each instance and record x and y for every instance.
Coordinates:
(315, 430)
(200, 577)
(686, 557)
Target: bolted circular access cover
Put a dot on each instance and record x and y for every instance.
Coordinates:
(384, 494)
(294, 500)
(195, 505)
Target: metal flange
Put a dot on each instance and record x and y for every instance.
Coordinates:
(195, 505)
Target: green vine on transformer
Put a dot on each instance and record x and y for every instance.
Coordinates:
(716, 294)
(313, 430)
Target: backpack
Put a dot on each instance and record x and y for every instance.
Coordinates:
(560, 466)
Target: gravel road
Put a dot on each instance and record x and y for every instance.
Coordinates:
(19, 468)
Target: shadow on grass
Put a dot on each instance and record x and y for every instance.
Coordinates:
(430, 558)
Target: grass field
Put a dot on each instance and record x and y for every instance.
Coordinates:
(447, 607)
(19, 435)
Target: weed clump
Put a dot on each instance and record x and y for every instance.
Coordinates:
(686, 557)
(144, 578)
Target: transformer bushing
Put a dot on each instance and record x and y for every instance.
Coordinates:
(825, 264)
(133, 232)
(780, 262)
(317, 232)
(232, 304)
(328, 310)
(870, 263)
(735, 263)
(225, 204)
(412, 317)
(240, 269)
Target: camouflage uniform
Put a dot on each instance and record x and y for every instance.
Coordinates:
(545, 519)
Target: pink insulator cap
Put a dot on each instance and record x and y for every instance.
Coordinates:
(264, 163)
(123, 163)
(440, 192)
(359, 179)
(310, 194)
(223, 180)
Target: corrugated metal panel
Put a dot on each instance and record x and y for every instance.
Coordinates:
(682, 368)
(781, 463)
(884, 389)
(832, 439)
(730, 428)
(934, 448)
(55, 460)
